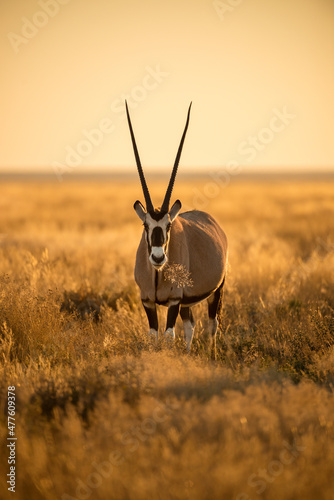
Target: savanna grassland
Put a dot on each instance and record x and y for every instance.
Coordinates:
(102, 413)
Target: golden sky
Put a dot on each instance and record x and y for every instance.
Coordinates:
(260, 74)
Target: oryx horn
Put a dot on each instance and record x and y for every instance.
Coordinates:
(149, 205)
(165, 204)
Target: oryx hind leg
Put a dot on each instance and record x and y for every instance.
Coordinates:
(173, 311)
(188, 325)
(152, 316)
(214, 304)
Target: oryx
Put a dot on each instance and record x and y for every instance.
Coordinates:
(192, 241)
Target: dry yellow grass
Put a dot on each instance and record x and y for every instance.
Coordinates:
(102, 413)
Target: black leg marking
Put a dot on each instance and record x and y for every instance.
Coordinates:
(152, 316)
(215, 302)
(186, 313)
(173, 311)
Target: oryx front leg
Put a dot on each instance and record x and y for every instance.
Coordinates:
(152, 316)
(173, 311)
(213, 327)
(188, 325)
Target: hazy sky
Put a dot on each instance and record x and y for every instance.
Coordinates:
(260, 74)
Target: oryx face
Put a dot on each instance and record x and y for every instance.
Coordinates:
(157, 226)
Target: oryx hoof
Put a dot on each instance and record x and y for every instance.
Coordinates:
(170, 335)
(153, 334)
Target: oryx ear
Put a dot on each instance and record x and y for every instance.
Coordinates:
(140, 210)
(174, 211)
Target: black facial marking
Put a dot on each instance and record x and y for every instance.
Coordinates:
(158, 260)
(157, 238)
(157, 214)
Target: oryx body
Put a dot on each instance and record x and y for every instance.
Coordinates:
(191, 241)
